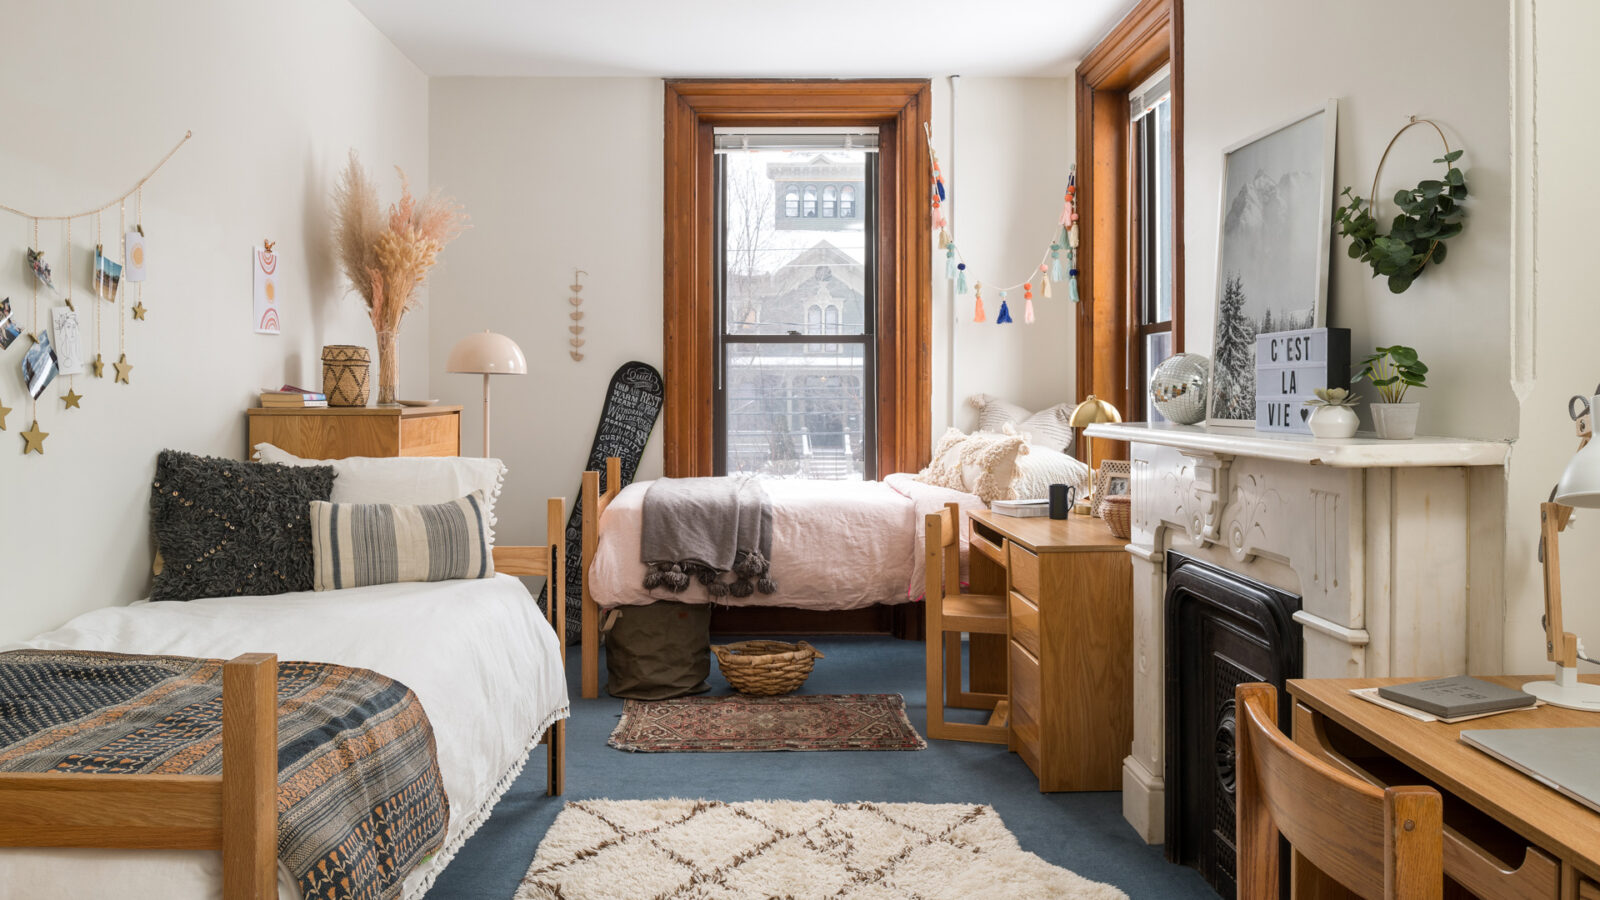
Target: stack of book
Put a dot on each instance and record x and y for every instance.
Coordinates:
(292, 397)
(1449, 700)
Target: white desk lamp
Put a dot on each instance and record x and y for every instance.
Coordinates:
(1579, 487)
(489, 354)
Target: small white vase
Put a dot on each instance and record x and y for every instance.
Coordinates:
(1395, 421)
(1333, 421)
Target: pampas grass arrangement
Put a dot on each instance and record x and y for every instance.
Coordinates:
(387, 257)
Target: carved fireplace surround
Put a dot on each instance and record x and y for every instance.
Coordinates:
(1395, 548)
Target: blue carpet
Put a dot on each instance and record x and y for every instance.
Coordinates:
(1082, 832)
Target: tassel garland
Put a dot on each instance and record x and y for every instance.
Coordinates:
(1027, 303)
(1072, 277)
(1055, 261)
(977, 308)
(1005, 314)
(961, 278)
(950, 261)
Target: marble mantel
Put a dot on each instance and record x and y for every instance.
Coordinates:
(1395, 548)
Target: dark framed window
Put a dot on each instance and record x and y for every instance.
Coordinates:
(1150, 170)
(847, 202)
(785, 405)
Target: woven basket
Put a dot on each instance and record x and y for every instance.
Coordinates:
(1118, 513)
(765, 668)
(345, 368)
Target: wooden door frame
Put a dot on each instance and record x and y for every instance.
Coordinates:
(694, 107)
(1149, 37)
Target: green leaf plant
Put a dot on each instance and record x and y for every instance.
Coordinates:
(1430, 214)
(1392, 370)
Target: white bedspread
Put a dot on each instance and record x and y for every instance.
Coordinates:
(479, 656)
(835, 545)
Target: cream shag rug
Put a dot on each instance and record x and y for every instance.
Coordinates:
(706, 850)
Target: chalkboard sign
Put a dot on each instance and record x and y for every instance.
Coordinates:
(1290, 366)
(633, 403)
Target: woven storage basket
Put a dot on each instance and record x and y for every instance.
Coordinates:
(345, 369)
(1118, 513)
(765, 668)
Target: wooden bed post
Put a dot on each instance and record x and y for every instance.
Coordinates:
(594, 504)
(250, 777)
(555, 532)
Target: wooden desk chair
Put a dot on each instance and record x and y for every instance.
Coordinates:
(1375, 842)
(951, 612)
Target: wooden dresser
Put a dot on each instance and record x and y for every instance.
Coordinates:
(338, 432)
(1070, 643)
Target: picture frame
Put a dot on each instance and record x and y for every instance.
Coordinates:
(1274, 231)
(1113, 478)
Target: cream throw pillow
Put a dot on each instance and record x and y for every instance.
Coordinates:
(982, 464)
(1050, 428)
(1041, 467)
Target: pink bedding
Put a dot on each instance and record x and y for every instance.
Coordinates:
(835, 545)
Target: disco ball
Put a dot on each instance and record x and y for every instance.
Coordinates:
(1178, 387)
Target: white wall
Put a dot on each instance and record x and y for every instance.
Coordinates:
(95, 94)
(1014, 145)
(1253, 64)
(565, 173)
(1565, 322)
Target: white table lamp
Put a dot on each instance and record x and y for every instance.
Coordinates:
(488, 354)
(1579, 487)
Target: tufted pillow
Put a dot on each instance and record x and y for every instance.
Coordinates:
(1041, 467)
(980, 463)
(1050, 428)
(225, 527)
(357, 544)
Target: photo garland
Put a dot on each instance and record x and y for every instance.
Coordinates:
(58, 349)
(1114, 478)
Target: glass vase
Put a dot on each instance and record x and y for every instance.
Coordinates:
(388, 368)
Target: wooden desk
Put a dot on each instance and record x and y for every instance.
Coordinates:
(337, 432)
(1506, 835)
(1069, 644)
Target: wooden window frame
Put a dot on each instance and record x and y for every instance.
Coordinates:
(694, 108)
(1148, 38)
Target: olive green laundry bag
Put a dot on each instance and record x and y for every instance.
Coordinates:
(659, 651)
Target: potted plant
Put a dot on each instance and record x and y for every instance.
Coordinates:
(1394, 370)
(1333, 413)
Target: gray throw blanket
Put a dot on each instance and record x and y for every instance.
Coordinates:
(716, 530)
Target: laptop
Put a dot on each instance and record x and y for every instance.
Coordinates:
(1561, 758)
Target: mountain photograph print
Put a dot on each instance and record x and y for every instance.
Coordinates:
(1272, 258)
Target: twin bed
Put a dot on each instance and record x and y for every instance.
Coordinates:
(484, 663)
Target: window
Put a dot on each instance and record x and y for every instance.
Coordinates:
(1150, 170)
(847, 202)
(794, 407)
(830, 202)
(791, 202)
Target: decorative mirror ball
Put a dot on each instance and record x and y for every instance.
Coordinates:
(1178, 387)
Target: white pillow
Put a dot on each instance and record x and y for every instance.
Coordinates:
(1049, 428)
(405, 480)
(1041, 467)
(982, 464)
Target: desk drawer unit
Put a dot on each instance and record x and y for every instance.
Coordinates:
(1588, 890)
(1025, 624)
(1024, 566)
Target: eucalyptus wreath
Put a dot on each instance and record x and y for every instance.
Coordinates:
(1430, 214)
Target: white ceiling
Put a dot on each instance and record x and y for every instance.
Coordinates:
(744, 38)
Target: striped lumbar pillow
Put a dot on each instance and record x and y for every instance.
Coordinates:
(357, 544)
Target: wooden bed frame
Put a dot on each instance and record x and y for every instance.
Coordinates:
(235, 812)
(903, 620)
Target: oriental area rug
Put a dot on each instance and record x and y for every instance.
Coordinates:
(741, 723)
(799, 850)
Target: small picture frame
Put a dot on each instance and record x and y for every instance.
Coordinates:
(1113, 478)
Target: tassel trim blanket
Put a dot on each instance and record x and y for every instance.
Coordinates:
(717, 531)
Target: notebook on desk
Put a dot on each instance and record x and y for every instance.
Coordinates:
(1562, 758)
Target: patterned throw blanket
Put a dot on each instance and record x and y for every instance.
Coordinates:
(360, 799)
(709, 529)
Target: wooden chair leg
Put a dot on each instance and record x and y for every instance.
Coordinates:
(933, 648)
(952, 664)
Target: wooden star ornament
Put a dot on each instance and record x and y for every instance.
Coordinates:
(4, 411)
(35, 439)
(139, 310)
(99, 366)
(124, 369)
(71, 398)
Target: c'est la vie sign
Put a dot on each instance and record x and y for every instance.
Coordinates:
(1290, 365)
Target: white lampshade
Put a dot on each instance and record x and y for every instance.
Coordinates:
(487, 353)
(1580, 483)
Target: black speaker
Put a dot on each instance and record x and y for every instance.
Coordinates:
(1062, 497)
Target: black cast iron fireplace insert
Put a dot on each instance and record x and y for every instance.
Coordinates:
(1222, 630)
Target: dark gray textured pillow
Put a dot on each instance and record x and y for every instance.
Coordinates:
(225, 527)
